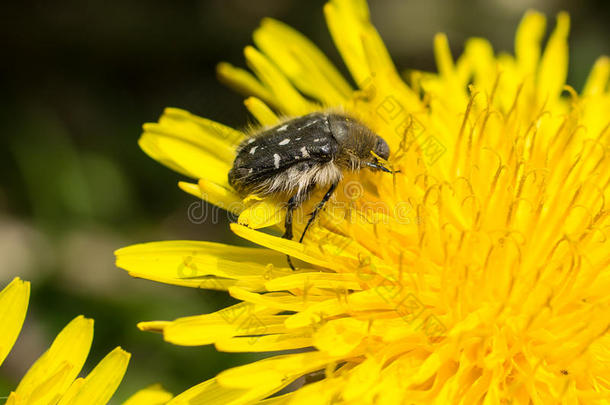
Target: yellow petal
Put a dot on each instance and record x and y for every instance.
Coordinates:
(12, 399)
(454, 89)
(597, 82)
(212, 393)
(51, 375)
(318, 279)
(238, 320)
(428, 368)
(334, 305)
(153, 326)
(319, 392)
(190, 188)
(199, 248)
(260, 111)
(527, 41)
(554, 64)
(191, 145)
(99, 386)
(219, 137)
(72, 391)
(220, 196)
(302, 62)
(363, 379)
(340, 336)
(289, 100)
(262, 214)
(388, 98)
(244, 82)
(481, 56)
(285, 246)
(14, 300)
(345, 19)
(384, 79)
(182, 156)
(285, 400)
(444, 60)
(281, 301)
(268, 343)
(152, 395)
(192, 263)
(273, 371)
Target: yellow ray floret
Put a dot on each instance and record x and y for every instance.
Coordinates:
(14, 300)
(153, 395)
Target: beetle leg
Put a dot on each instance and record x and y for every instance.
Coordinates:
(316, 210)
(293, 203)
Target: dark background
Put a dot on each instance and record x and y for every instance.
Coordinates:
(79, 78)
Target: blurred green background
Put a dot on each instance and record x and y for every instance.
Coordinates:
(78, 80)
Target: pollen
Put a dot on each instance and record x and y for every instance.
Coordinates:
(477, 272)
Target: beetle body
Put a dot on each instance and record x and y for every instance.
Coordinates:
(294, 157)
(314, 149)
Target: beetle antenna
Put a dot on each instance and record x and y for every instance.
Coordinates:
(381, 167)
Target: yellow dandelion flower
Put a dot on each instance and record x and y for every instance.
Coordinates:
(478, 274)
(52, 379)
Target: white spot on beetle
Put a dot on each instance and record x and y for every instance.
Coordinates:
(276, 160)
(250, 141)
(250, 171)
(304, 152)
(317, 140)
(284, 142)
(297, 139)
(253, 149)
(282, 128)
(308, 125)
